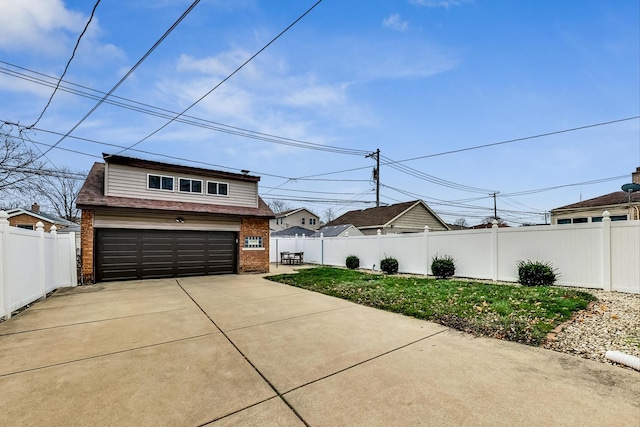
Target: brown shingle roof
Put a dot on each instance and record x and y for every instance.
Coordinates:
(92, 196)
(372, 216)
(611, 199)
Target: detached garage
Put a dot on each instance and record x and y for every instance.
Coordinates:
(143, 219)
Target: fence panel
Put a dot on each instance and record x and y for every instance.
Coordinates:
(31, 264)
(625, 256)
(366, 248)
(574, 251)
(408, 249)
(471, 250)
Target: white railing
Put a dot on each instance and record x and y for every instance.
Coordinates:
(32, 264)
(602, 255)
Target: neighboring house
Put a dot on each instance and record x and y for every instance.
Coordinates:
(296, 217)
(338, 231)
(146, 219)
(621, 205)
(407, 217)
(292, 231)
(24, 218)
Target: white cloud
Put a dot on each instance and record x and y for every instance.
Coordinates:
(48, 27)
(440, 3)
(395, 22)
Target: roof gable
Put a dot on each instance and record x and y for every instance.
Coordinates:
(294, 211)
(381, 216)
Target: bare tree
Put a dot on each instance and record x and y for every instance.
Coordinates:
(278, 206)
(19, 166)
(60, 189)
(328, 215)
(461, 222)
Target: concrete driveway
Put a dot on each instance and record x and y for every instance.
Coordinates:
(240, 350)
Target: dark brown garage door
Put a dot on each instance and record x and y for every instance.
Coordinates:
(147, 254)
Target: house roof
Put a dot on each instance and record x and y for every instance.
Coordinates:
(92, 195)
(380, 216)
(292, 231)
(41, 216)
(331, 230)
(611, 199)
(293, 211)
(168, 167)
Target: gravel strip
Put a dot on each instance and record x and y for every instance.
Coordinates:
(611, 323)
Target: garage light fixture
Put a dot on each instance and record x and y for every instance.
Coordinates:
(179, 219)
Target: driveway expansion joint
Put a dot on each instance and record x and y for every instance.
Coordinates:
(255, 368)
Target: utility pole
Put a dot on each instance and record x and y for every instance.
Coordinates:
(376, 174)
(495, 207)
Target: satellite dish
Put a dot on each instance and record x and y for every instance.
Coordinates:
(630, 188)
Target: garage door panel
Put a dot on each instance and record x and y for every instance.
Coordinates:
(143, 254)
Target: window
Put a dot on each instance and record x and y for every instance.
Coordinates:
(159, 182)
(253, 242)
(564, 221)
(302, 221)
(618, 217)
(25, 226)
(579, 220)
(190, 185)
(312, 221)
(219, 188)
(596, 219)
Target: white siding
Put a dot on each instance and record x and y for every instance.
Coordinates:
(165, 221)
(127, 181)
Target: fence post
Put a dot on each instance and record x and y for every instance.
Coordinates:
(57, 279)
(606, 251)
(379, 234)
(4, 274)
(426, 250)
(494, 250)
(321, 248)
(41, 264)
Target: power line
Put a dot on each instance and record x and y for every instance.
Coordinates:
(225, 79)
(73, 54)
(140, 61)
(167, 114)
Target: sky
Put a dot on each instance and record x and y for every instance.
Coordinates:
(428, 80)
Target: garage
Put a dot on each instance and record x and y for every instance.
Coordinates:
(128, 254)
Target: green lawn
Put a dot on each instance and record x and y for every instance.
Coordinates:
(511, 312)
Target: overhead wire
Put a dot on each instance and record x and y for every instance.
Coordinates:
(127, 74)
(226, 78)
(154, 111)
(66, 68)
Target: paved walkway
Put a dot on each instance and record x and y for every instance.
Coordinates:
(240, 350)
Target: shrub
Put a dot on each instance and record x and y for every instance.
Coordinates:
(444, 267)
(352, 262)
(536, 273)
(389, 265)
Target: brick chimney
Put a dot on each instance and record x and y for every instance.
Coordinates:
(35, 208)
(635, 176)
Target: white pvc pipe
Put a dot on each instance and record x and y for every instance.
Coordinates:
(623, 359)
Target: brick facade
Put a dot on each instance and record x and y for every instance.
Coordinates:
(24, 219)
(254, 260)
(86, 245)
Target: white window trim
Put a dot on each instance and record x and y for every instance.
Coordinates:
(161, 176)
(253, 249)
(190, 192)
(217, 194)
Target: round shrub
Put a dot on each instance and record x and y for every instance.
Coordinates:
(352, 262)
(444, 267)
(536, 273)
(389, 265)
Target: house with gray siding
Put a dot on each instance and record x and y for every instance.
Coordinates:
(407, 217)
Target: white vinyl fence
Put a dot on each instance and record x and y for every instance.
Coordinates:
(602, 255)
(32, 264)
